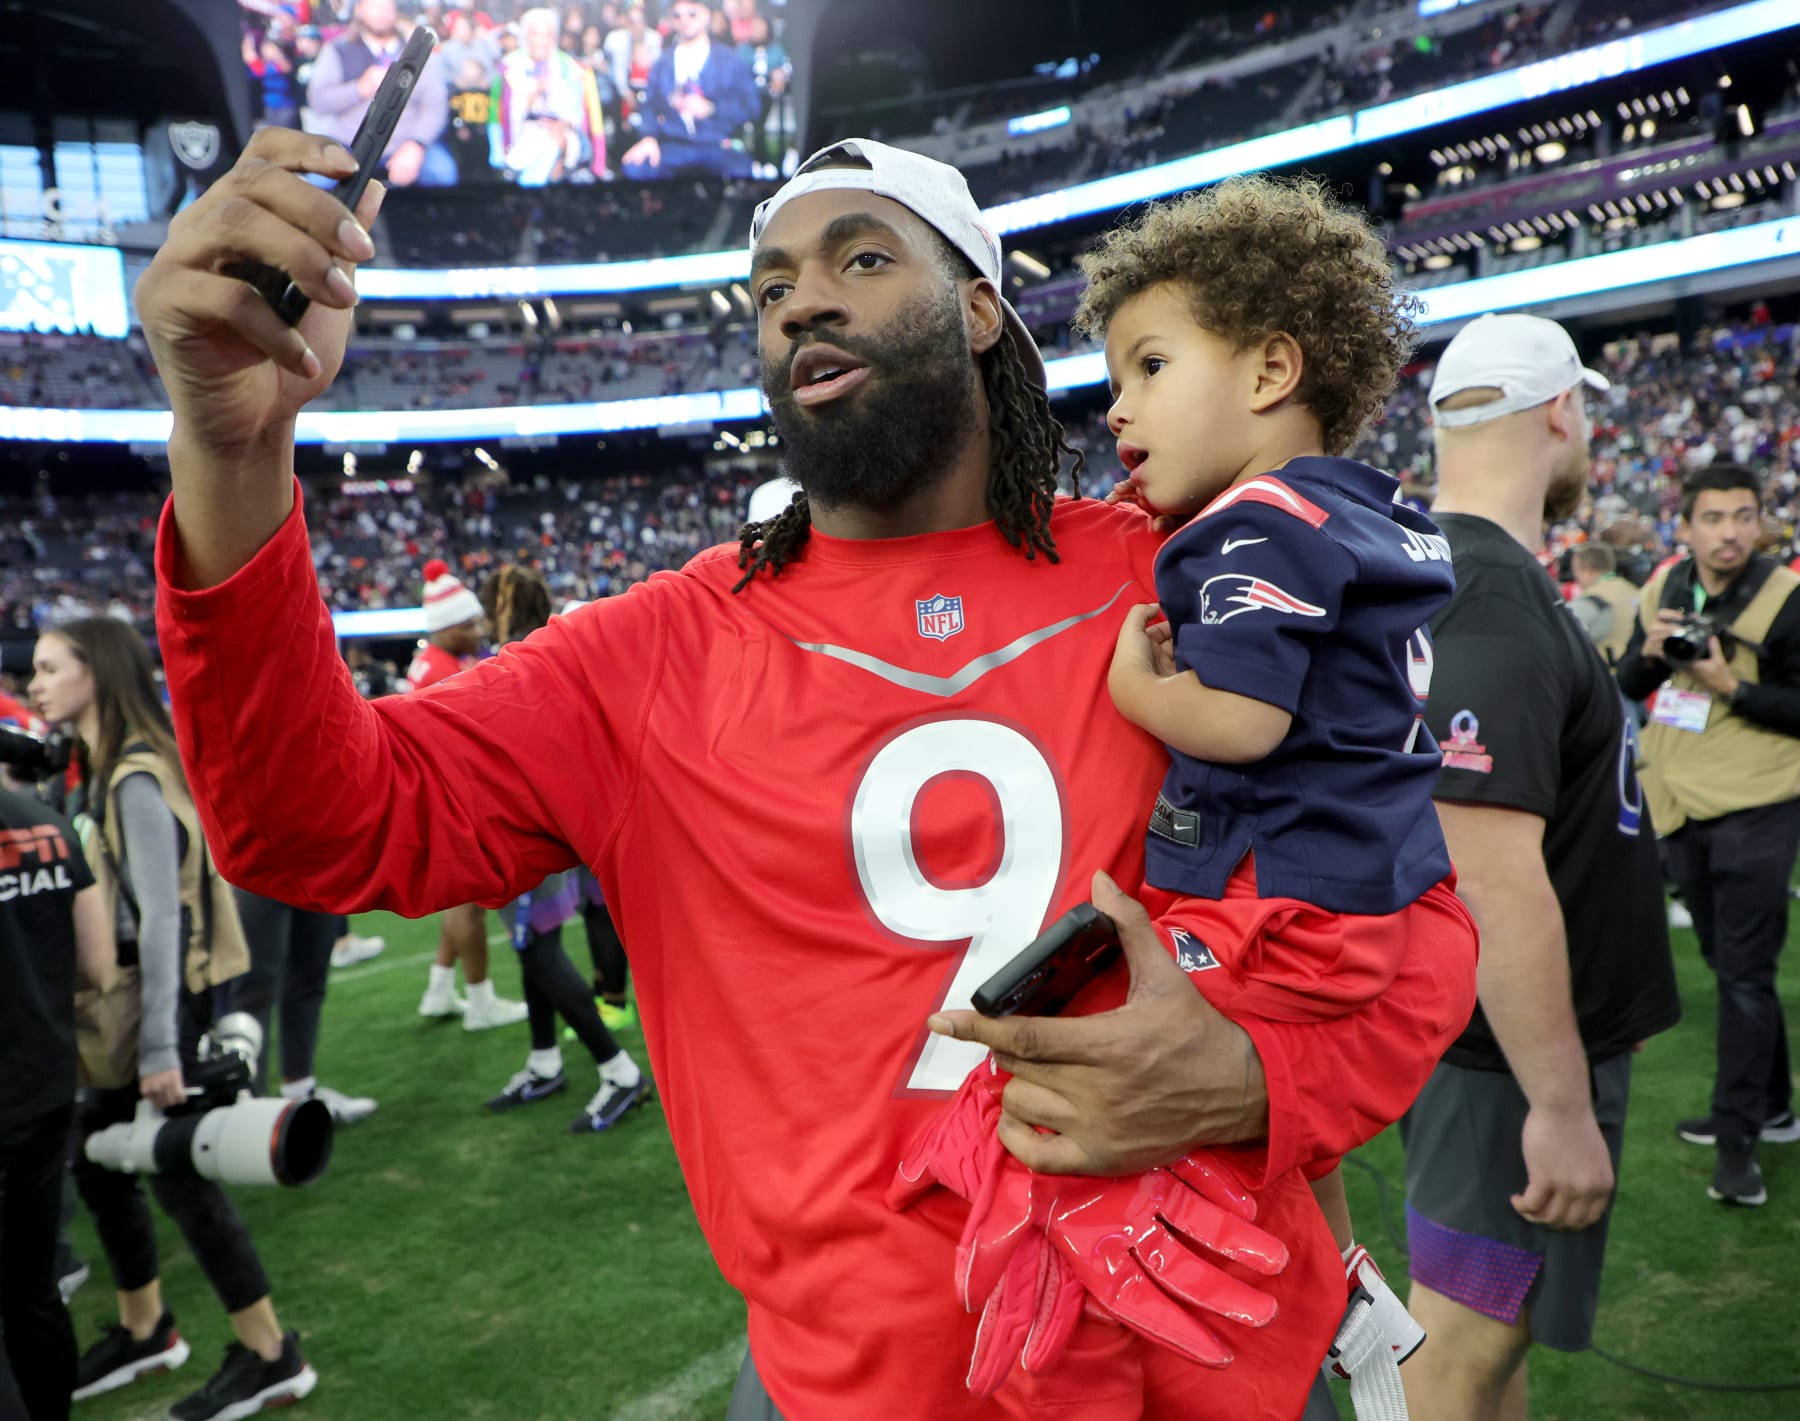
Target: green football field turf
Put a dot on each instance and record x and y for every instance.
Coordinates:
(456, 1264)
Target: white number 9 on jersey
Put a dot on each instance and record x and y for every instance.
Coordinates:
(997, 917)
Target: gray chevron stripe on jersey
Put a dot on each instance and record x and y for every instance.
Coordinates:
(972, 671)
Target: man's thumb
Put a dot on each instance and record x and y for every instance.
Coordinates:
(1145, 952)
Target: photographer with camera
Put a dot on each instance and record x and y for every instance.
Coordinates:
(52, 930)
(175, 922)
(1717, 648)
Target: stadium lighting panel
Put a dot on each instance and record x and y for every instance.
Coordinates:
(1681, 262)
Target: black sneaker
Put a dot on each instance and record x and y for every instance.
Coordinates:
(1782, 1129)
(608, 1106)
(245, 1384)
(1738, 1180)
(118, 1359)
(526, 1087)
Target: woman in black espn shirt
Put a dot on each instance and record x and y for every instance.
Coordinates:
(52, 930)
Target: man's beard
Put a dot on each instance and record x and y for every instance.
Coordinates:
(1563, 496)
(880, 444)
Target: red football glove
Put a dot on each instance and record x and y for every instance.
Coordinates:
(1037, 1248)
(1031, 1303)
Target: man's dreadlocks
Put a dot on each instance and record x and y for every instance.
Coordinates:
(1026, 439)
(516, 600)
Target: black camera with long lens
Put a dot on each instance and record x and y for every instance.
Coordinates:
(35, 757)
(222, 1131)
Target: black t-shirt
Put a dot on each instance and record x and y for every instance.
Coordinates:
(41, 870)
(1529, 718)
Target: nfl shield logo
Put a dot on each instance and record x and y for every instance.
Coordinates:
(940, 617)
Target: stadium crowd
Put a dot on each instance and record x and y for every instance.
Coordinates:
(1730, 397)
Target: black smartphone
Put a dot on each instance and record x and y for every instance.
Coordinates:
(1050, 971)
(373, 135)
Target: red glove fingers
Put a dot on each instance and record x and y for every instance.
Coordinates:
(1029, 1316)
(959, 1148)
(1211, 1178)
(1200, 1221)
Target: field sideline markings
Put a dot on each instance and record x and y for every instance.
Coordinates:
(674, 1399)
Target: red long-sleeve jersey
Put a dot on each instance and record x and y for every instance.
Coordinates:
(820, 809)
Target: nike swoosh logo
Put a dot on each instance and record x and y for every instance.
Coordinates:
(1231, 543)
(972, 671)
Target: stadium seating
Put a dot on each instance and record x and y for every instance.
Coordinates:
(1735, 395)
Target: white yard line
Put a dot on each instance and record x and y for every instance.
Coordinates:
(674, 1400)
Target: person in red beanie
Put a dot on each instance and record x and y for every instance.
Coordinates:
(452, 639)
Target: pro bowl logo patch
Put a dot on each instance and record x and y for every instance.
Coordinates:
(1464, 750)
(1231, 594)
(940, 617)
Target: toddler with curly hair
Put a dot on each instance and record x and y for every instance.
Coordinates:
(1252, 331)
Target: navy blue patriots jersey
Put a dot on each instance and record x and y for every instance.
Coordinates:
(1309, 588)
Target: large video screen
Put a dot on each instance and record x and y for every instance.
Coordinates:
(53, 286)
(579, 92)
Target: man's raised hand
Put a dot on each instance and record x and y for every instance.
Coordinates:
(237, 373)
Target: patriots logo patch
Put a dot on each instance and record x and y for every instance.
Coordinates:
(1231, 594)
(1191, 955)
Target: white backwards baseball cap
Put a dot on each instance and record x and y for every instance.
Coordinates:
(1528, 359)
(934, 192)
(771, 499)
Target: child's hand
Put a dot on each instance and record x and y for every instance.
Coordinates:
(1125, 491)
(1162, 644)
(1143, 650)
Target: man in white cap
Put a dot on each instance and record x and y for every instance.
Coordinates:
(452, 638)
(830, 781)
(1512, 1148)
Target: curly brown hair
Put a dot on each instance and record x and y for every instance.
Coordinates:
(1258, 256)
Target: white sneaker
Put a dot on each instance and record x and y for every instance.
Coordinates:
(495, 1011)
(345, 1109)
(351, 949)
(1402, 1330)
(1679, 916)
(441, 1004)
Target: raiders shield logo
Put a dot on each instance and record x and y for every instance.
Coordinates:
(195, 144)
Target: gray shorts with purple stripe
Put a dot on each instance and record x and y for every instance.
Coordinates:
(1464, 1162)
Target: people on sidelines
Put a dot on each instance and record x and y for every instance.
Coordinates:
(452, 640)
(291, 951)
(53, 934)
(1605, 603)
(517, 603)
(1252, 331)
(612, 972)
(175, 919)
(1512, 1148)
(1722, 780)
(349, 949)
(823, 806)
